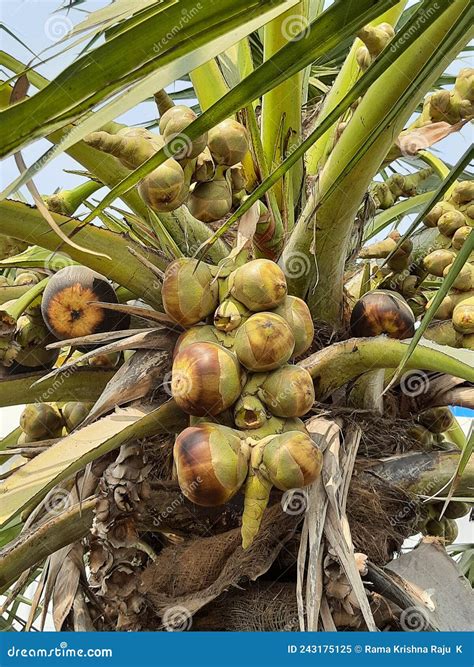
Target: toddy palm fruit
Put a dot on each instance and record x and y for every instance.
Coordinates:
(264, 342)
(228, 142)
(189, 291)
(288, 391)
(259, 285)
(297, 315)
(382, 312)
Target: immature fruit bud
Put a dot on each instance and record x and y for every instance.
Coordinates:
(376, 37)
(67, 305)
(204, 169)
(292, 460)
(206, 379)
(229, 315)
(460, 235)
(249, 413)
(228, 142)
(32, 335)
(463, 316)
(363, 58)
(288, 391)
(74, 414)
(259, 285)
(165, 188)
(382, 312)
(436, 420)
(210, 462)
(449, 222)
(189, 291)
(264, 342)
(211, 201)
(297, 315)
(41, 421)
(464, 281)
(132, 147)
(26, 278)
(464, 84)
(437, 261)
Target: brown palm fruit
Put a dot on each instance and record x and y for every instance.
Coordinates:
(448, 304)
(259, 285)
(165, 188)
(288, 391)
(454, 510)
(204, 169)
(173, 124)
(206, 379)
(463, 316)
(68, 307)
(211, 463)
(229, 315)
(432, 217)
(292, 460)
(436, 420)
(460, 235)
(74, 414)
(210, 201)
(438, 260)
(32, 336)
(249, 413)
(463, 192)
(26, 278)
(421, 435)
(41, 421)
(264, 342)
(189, 291)
(464, 281)
(203, 333)
(449, 222)
(382, 312)
(297, 315)
(228, 142)
(131, 146)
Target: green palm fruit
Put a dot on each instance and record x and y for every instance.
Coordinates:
(292, 460)
(178, 113)
(189, 291)
(443, 333)
(464, 281)
(463, 192)
(446, 529)
(463, 316)
(74, 414)
(454, 510)
(460, 235)
(363, 58)
(464, 84)
(449, 222)
(259, 285)
(298, 316)
(165, 188)
(173, 124)
(468, 342)
(264, 342)
(288, 391)
(228, 142)
(203, 333)
(41, 421)
(210, 201)
(437, 261)
(421, 435)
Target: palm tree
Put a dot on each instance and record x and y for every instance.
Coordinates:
(236, 388)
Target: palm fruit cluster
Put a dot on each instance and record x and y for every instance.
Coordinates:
(231, 374)
(206, 173)
(445, 528)
(386, 193)
(454, 219)
(45, 421)
(431, 426)
(451, 106)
